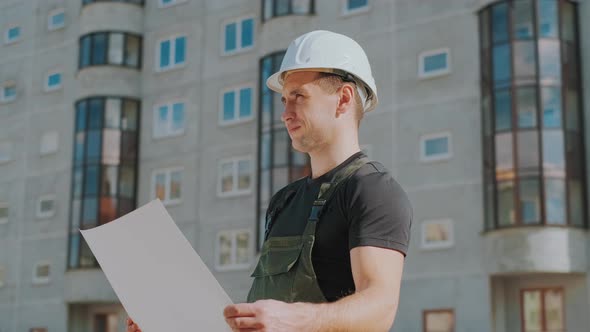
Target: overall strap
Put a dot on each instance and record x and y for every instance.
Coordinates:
(328, 188)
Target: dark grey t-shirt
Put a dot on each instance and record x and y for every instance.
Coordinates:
(370, 209)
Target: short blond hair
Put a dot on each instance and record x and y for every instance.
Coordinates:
(330, 83)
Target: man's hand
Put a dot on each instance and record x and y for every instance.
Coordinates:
(131, 326)
(271, 316)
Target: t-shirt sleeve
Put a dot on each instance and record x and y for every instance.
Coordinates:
(379, 214)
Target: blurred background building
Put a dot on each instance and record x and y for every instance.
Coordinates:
(106, 105)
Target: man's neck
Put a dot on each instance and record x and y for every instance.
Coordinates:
(326, 159)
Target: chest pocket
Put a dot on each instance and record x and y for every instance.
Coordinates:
(274, 274)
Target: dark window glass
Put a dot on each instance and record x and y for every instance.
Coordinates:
(547, 11)
(93, 146)
(81, 116)
(530, 201)
(89, 213)
(522, 17)
(503, 107)
(502, 63)
(129, 120)
(526, 105)
(74, 250)
(555, 201)
(85, 48)
(127, 182)
(95, 113)
(99, 49)
(506, 212)
(500, 23)
(113, 48)
(108, 209)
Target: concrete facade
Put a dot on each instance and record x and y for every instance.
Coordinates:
(479, 277)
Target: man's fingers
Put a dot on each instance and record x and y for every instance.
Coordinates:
(244, 323)
(239, 310)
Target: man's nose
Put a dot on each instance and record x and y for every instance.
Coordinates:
(287, 114)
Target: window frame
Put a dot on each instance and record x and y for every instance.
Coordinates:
(53, 13)
(5, 205)
(169, 132)
(237, 119)
(172, 39)
(167, 183)
(441, 157)
(345, 11)
(47, 87)
(235, 192)
(108, 33)
(437, 311)
(36, 280)
(238, 21)
(542, 290)
(449, 243)
(46, 214)
(289, 13)
(7, 147)
(422, 74)
(7, 39)
(2, 276)
(3, 98)
(173, 3)
(233, 266)
(52, 148)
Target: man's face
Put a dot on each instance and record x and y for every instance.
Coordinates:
(309, 111)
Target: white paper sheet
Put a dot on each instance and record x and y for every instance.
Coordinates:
(159, 278)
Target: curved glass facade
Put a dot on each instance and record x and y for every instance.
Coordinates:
(135, 2)
(110, 48)
(104, 174)
(275, 8)
(532, 114)
(278, 163)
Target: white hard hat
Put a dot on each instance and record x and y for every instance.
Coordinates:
(330, 52)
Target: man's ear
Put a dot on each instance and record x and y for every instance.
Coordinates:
(345, 99)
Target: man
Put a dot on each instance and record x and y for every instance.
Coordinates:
(335, 242)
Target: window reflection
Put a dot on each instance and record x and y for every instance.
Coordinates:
(531, 113)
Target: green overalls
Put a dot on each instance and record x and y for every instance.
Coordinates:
(285, 270)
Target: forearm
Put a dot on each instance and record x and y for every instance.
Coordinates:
(369, 310)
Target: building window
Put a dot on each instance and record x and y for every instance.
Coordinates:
(12, 35)
(3, 213)
(434, 63)
(437, 234)
(435, 147)
(110, 48)
(235, 177)
(236, 105)
(2, 276)
(46, 206)
(233, 250)
(49, 143)
(5, 152)
(53, 81)
(171, 53)
(169, 3)
(278, 163)
(542, 310)
(41, 273)
(104, 174)
(8, 93)
(56, 19)
(169, 119)
(134, 2)
(166, 185)
(439, 320)
(106, 322)
(275, 8)
(355, 6)
(533, 133)
(238, 35)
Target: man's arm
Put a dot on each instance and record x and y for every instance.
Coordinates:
(377, 276)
